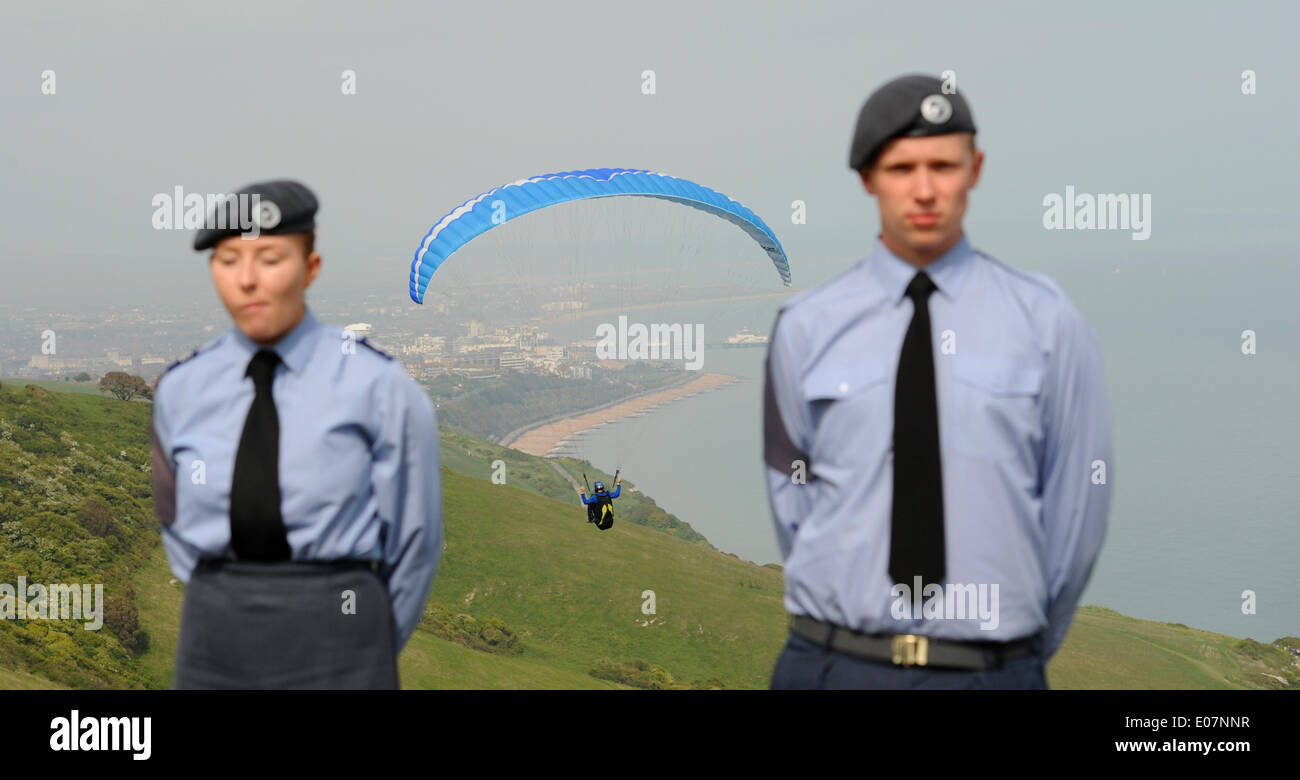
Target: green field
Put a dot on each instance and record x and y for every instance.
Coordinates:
(529, 595)
(90, 388)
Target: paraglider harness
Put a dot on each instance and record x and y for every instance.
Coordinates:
(600, 511)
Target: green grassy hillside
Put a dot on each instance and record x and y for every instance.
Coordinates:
(89, 388)
(476, 458)
(1105, 649)
(75, 507)
(528, 595)
(571, 595)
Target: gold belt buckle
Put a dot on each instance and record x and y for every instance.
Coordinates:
(910, 649)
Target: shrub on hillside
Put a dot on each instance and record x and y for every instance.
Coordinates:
(489, 635)
(638, 674)
(97, 517)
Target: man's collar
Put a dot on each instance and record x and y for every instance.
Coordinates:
(294, 347)
(948, 271)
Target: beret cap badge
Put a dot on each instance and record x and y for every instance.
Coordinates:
(268, 215)
(936, 109)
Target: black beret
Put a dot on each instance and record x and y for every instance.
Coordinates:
(907, 107)
(284, 207)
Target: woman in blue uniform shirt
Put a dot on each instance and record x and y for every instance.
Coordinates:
(296, 478)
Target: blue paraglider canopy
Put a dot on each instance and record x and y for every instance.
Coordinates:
(497, 206)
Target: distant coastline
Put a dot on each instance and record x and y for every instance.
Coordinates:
(541, 439)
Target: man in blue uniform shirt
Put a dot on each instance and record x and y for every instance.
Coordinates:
(296, 478)
(937, 436)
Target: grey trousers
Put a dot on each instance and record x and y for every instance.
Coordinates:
(808, 666)
(285, 625)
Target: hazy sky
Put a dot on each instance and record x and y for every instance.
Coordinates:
(757, 102)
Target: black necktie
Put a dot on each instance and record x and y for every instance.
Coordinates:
(256, 527)
(916, 531)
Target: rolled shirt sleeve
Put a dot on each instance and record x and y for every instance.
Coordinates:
(1077, 470)
(785, 433)
(407, 483)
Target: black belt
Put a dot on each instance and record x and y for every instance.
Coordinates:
(287, 567)
(911, 649)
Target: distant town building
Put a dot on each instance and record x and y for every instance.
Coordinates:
(512, 361)
(557, 306)
(476, 362)
(495, 348)
(426, 345)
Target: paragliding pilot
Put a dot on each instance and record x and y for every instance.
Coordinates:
(600, 509)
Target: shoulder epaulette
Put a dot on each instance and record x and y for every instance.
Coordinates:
(193, 355)
(199, 350)
(375, 349)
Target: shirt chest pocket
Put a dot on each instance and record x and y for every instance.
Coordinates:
(996, 405)
(850, 408)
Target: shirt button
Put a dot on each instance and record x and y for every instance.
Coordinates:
(844, 387)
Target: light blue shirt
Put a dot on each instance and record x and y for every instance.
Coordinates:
(359, 472)
(1025, 446)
